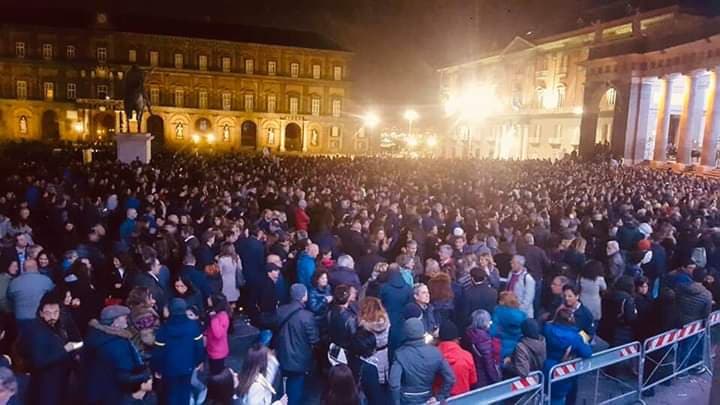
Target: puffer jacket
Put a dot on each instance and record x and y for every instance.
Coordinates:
(506, 325)
(487, 361)
(318, 305)
(529, 355)
(370, 344)
(296, 337)
(694, 302)
(414, 370)
(462, 364)
(559, 339)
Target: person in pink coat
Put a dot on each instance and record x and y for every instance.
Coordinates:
(216, 334)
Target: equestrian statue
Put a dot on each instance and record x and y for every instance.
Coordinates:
(136, 100)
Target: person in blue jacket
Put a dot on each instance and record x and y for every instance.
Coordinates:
(563, 343)
(178, 351)
(507, 320)
(109, 358)
(306, 265)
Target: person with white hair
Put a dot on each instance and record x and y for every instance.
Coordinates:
(344, 273)
(616, 261)
(522, 284)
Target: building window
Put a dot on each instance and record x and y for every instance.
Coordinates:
(155, 95)
(561, 90)
(70, 51)
(202, 99)
(611, 95)
(102, 55)
(202, 62)
(180, 131)
(154, 58)
(336, 108)
(178, 61)
(132, 56)
(294, 105)
(272, 68)
(337, 72)
(226, 65)
(249, 100)
(271, 103)
(71, 91)
(541, 64)
(179, 97)
(20, 49)
(294, 69)
(102, 91)
(226, 101)
(21, 89)
(249, 66)
(315, 107)
(48, 90)
(540, 97)
(203, 124)
(563, 67)
(316, 71)
(335, 132)
(47, 51)
(23, 125)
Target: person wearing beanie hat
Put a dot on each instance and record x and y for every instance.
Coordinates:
(110, 358)
(179, 350)
(645, 229)
(416, 367)
(530, 353)
(460, 360)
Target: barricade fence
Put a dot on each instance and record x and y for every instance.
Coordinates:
(524, 390)
(658, 359)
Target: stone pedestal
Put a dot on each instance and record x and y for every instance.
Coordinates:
(131, 147)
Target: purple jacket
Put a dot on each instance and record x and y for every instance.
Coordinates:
(481, 347)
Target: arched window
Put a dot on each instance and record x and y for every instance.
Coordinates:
(611, 96)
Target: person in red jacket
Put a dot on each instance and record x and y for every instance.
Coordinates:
(460, 360)
(302, 219)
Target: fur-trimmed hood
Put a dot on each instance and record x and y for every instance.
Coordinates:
(378, 326)
(109, 330)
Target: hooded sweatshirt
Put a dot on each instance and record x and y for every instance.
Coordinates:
(529, 356)
(462, 364)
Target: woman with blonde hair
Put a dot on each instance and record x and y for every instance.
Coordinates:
(575, 256)
(507, 322)
(370, 344)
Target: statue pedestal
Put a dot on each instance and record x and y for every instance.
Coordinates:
(131, 147)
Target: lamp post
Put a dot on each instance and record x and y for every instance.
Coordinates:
(370, 120)
(410, 116)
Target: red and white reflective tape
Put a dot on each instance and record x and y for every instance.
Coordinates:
(714, 318)
(663, 340)
(690, 329)
(524, 383)
(564, 370)
(628, 351)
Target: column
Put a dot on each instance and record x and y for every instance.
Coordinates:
(118, 120)
(642, 118)
(282, 135)
(691, 118)
(304, 136)
(663, 117)
(625, 118)
(712, 123)
(589, 119)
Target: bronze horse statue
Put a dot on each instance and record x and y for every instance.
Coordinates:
(136, 100)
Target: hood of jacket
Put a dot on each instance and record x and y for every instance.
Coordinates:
(180, 325)
(286, 310)
(536, 347)
(396, 280)
(452, 352)
(693, 289)
(100, 334)
(478, 337)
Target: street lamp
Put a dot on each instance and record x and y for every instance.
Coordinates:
(410, 116)
(370, 119)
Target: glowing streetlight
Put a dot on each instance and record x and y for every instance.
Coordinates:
(211, 137)
(78, 127)
(474, 102)
(370, 120)
(412, 141)
(410, 116)
(432, 141)
(196, 138)
(578, 110)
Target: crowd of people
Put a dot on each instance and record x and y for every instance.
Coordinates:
(401, 281)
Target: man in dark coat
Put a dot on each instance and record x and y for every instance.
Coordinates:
(352, 240)
(150, 278)
(479, 295)
(296, 336)
(178, 351)
(344, 273)
(395, 295)
(109, 358)
(50, 343)
(366, 263)
(252, 255)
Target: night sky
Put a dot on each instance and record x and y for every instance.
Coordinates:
(398, 43)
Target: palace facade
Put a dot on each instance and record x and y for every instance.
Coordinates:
(643, 85)
(229, 86)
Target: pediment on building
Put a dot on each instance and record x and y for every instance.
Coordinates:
(518, 44)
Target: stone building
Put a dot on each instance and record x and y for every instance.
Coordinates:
(603, 83)
(61, 77)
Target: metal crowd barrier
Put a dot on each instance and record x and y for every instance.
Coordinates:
(526, 390)
(600, 360)
(712, 334)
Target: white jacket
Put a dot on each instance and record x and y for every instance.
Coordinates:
(261, 391)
